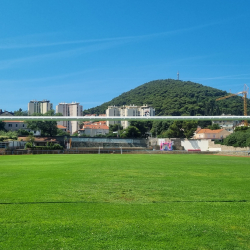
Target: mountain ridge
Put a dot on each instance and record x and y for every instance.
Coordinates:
(176, 97)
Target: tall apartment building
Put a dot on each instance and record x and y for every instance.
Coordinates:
(69, 109)
(113, 111)
(39, 107)
(128, 110)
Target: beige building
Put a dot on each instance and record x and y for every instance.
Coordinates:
(113, 111)
(94, 129)
(128, 110)
(211, 134)
(69, 109)
(39, 107)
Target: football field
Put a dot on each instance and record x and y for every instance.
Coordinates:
(124, 202)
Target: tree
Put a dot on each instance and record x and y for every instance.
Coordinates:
(131, 131)
(20, 112)
(115, 127)
(143, 127)
(9, 134)
(204, 124)
(30, 139)
(238, 139)
(175, 130)
(47, 128)
(159, 128)
(189, 128)
(214, 126)
(115, 130)
(155, 130)
(23, 132)
(180, 129)
(2, 124)
(242, 129)
(75, 134)
(61, 133)
(248, 142)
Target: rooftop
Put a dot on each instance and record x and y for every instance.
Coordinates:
(209, 131)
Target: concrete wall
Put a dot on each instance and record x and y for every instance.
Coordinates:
(208, 145)
(194, 144)
(202, 144)
(226, 148)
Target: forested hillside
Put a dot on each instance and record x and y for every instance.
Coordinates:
(174, 97)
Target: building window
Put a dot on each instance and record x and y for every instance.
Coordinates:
(10, 125)
(16, 125)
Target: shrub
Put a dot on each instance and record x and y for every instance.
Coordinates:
(216, 141)
(49, 146)
(23, 132)
(238, 139)
(28, 145)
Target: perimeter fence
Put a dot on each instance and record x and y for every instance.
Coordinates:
(121, 151)
(98, 151)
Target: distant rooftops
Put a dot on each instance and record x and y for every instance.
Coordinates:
(35, 101)
(131, 106)
(61, 127)
(14, 121)
(69, 103)
(206, 130)
(103, 115)
(6, 113)
(92, 126)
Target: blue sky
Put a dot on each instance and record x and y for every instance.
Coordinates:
(92, 51)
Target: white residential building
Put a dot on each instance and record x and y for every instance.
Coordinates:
(39, 107)
(113, 111)
(69, 109)
(128, 110)
(16, 125)
(94, 129)
(227, 125)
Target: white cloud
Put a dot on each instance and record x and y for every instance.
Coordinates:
(29, 41)
(57, 55)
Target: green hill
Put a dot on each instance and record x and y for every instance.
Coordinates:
(174, 97)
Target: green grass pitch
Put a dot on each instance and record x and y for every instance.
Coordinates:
(124, 202)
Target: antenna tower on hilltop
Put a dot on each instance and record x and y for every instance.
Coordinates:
(177, 75)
